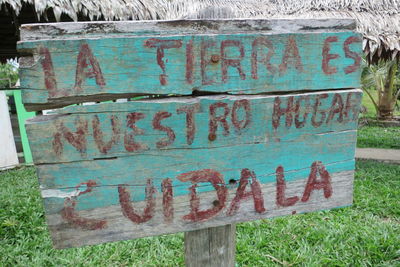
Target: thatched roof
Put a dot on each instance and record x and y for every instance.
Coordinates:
(378, 20)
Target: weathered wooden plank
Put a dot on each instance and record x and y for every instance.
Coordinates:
(71, 228)
(147, 127)
(68, 30)
(183, 185)
(74, 70)
(116, 171)
(214, 246)
(136, 170)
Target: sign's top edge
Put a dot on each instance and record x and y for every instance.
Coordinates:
(39, 31)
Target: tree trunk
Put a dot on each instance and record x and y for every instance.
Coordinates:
(386, 104)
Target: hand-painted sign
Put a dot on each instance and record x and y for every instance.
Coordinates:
(149, 126)
(239, 63)
(114, 171)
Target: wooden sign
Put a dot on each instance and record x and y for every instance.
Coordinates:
(255, 57)
(116, 171)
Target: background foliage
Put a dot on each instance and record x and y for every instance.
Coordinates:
(8, 75)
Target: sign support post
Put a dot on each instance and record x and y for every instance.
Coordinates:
(214, 246)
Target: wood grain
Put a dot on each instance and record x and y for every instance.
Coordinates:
(274, 167)
(189, 123)
(214, 246)
(68, 30)
(119, 227)
(213, 155)
(135, 171)
(86, 67)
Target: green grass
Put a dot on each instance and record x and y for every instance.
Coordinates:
(367, 103)
(366, 234)
(373, 135)
(378, 137)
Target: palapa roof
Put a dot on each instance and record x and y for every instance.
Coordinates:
(377, 20)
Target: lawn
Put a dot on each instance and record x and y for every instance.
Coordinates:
(366, 234)
(378, 137)
(371, 134)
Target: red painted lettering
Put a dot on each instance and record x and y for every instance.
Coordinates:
(168, 200)
(161, 45)
(49, 76)
(336, 108)
(353, 106)
(300, 124)
(76, 139)
(314, 121)
(235, 63)
(201, 176)
(189, 62)
(351, 54)
(244, 123)
(291, 53)
(289, 111)
(157, 126)
(266, 59)
(204, 61)
(278, 112)
(214, 119)
(86, 57)
(98, 134)
(314, 184)
(129, 143)
(255, 192)
(127, 209)
(190, 120)
(326, 57)
(69, 214)
(281, 199)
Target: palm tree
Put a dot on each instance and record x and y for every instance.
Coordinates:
(384, 77)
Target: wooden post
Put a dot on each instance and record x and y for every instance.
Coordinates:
(214, 246)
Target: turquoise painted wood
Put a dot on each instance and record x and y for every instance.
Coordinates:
(260, 138)
(258, 119)
(337, 155)
(241, 63)
(105, 130)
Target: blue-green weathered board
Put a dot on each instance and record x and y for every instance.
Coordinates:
(83, 67)
(262, 145)
(110, 129)
(252, 119)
